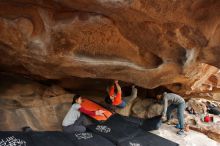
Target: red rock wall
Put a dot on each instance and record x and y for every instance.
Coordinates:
(149, 43)
(27, 103)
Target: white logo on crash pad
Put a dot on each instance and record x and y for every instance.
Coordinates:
(83, 135)
(12, 141)
(103, 128)
(134, 144)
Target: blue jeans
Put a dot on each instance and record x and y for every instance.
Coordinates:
(122, 105)
(180, 113)
(128, 99)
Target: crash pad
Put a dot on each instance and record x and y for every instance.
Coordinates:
(115, 129)
(152, 123)
(92, 106)
(88, 138)
(50, 138)
(214, 110)
(134, 120)
(147, 139)
(14, 138)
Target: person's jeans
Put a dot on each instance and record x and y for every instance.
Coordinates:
(128, 99)
(79, 125)
(180, 113)
(122, 105)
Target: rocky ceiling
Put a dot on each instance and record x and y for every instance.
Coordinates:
(146, 42)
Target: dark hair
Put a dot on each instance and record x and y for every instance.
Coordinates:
(26, 129)
(75, 97)
(108, 99)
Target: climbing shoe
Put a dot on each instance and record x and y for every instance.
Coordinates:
(180, 132)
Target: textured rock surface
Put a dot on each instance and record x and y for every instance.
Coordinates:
(197, 106)
(203, 80)
(42, 107)
(149, 43)
(145, 42)
(212, 129)
(146, 108)
(27, 103)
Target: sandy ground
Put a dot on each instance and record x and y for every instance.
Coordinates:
(192, 138)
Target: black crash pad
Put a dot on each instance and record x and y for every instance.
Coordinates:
(116, 129)
(214, 110)
(15, 139)
(148, 139)
(134, 120)
(152, 123)
(88, 139)
(53, 138)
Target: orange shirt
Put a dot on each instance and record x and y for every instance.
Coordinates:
(117, 98)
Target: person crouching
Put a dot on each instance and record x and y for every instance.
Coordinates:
(74, 120)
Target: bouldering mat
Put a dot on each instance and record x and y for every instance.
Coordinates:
(152, 123)
(11, 138)
(92, 106)
(88, 138)
(51, 138)
(147, 139)
(116, 129)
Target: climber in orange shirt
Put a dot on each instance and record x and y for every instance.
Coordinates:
(116, 98)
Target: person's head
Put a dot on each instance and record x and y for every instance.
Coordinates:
(77, 99)
(208, 103)
(112, 96)
(159, 96)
